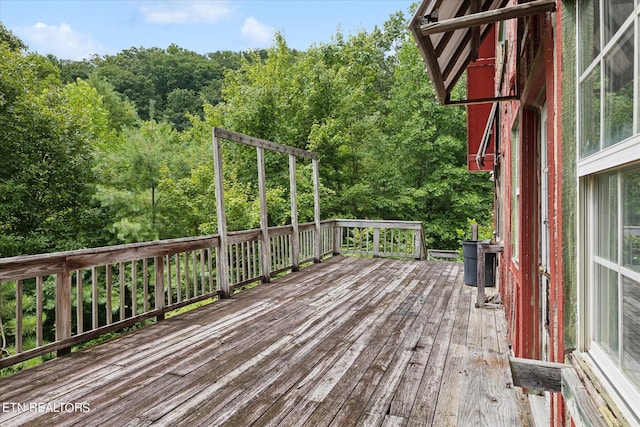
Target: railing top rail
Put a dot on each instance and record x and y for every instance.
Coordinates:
(28, 266)
(23, 266)
(411, 225)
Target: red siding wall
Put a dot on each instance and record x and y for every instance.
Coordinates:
(534, 72)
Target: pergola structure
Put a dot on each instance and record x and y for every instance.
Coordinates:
(261, 144)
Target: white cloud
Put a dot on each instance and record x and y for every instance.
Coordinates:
(256, 34)
(184, 12)
(59, 40)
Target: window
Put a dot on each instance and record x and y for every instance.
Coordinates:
(609, 167)
(616, 275)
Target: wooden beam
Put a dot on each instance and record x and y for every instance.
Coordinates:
(222, 255)
(257, 142)
(475, 32)
(316, 210)
(488, 17)
(295, 237)
(433, 68)
(483, 100)
(537, 374)
(265, 246)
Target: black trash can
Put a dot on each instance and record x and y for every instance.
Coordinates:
(470, 257)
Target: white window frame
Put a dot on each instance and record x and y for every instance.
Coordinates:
(621, 154)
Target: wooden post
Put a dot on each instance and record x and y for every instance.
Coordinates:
(63, 309)
(316, 210)
(376, 242)
(337, 238)
(474, 231)
(265, 247)
(223, 257)
(480, 273)
(417, 248)
(295, 237)
(159, 288)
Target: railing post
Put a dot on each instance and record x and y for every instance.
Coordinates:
(63, 309)
(265, 247)
(223, 257)
(337, 238)
(376, 241)
(159, 289)
(316, 210)
(417, 248)
(295, 237)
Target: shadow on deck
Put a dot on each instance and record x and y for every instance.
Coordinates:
(350, 341)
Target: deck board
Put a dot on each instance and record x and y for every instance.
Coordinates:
(349, 341)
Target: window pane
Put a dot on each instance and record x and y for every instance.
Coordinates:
(618, 107)
(590, 114)
(607, 221)
(589, 31)
(631, 209)
(615, 13)
(606, 319)
(631, 329)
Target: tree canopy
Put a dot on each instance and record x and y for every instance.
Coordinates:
(117, 149)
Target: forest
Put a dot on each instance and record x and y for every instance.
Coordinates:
(117, 149)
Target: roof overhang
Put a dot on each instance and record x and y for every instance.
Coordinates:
(449, 34)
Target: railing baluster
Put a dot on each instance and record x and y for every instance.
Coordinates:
(18, 333)
(122, 301)
(159, 285)
(203, 286)
(187, 284)
(134, 288)
(94, 297)
(109, 309)
(178, 279)
(145, 285)
(194, 257)
(169, 286)
(39, 307)
(79, 313)
(210, 263)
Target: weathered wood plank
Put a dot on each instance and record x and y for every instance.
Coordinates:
(328, 361)
(423, 410)
(489, 398)
(451, 391)
(537, 374)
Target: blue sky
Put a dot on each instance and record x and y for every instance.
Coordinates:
(76, 29)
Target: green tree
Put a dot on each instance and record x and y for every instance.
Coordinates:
(430, 152)
(45, 155)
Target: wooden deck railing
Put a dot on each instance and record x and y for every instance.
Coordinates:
(66, 298)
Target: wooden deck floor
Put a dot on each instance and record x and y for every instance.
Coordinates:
(350, 341)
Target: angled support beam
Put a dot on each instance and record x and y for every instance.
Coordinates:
(489, 17)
